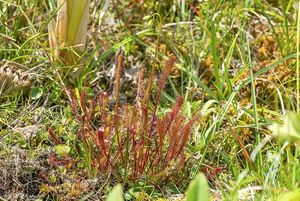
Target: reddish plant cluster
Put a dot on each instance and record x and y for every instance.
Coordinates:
(133, 141)
(211, 172)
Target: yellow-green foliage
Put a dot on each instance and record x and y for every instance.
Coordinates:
(69, 31)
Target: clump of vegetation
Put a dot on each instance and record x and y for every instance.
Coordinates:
(237, 67)
(133, 140)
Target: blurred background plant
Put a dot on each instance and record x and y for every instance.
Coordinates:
(289, 129)
(68, 33)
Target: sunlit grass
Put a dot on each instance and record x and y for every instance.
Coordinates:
(237, 64)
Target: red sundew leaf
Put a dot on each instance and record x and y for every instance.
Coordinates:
(89, 131)
(174, 138)
(134, 150)
(53, 136)
(176, 107)
(73, 102)
(104, 149)
(182, 160)
(139, 89)
(166, 72)
(83, 104)
(144, 122)
(66, 161)
(147, 93)
(132, 131)
(178, 137)
(52, 160)
(175, 110)
(100, 136)
(101, 98)
(139, 145)
(171, 150)
(91, 112)
(139, 154)
(161, 130)
(219, 170)
(186, 131)
(102, 103)
(154, 161)
(211, 172)
(119, 67)
(108, 128)
(169, 155)
(175, 129)
(161, 84)
(144, 161)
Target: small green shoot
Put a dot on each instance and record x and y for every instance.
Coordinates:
(198, 189)
(116, 194)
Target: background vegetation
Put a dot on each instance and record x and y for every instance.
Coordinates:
(163, 91)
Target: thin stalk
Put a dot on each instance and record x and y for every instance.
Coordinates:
(119, 66)
(246, 155)
(254, 99)
(216, 60)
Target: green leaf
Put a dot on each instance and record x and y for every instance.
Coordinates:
(289, 196)
(198, 189)
(77, 16)
(62, 149)
(289, 130)
(116, 194)
(36, 93)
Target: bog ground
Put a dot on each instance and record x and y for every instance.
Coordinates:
(149, 100)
